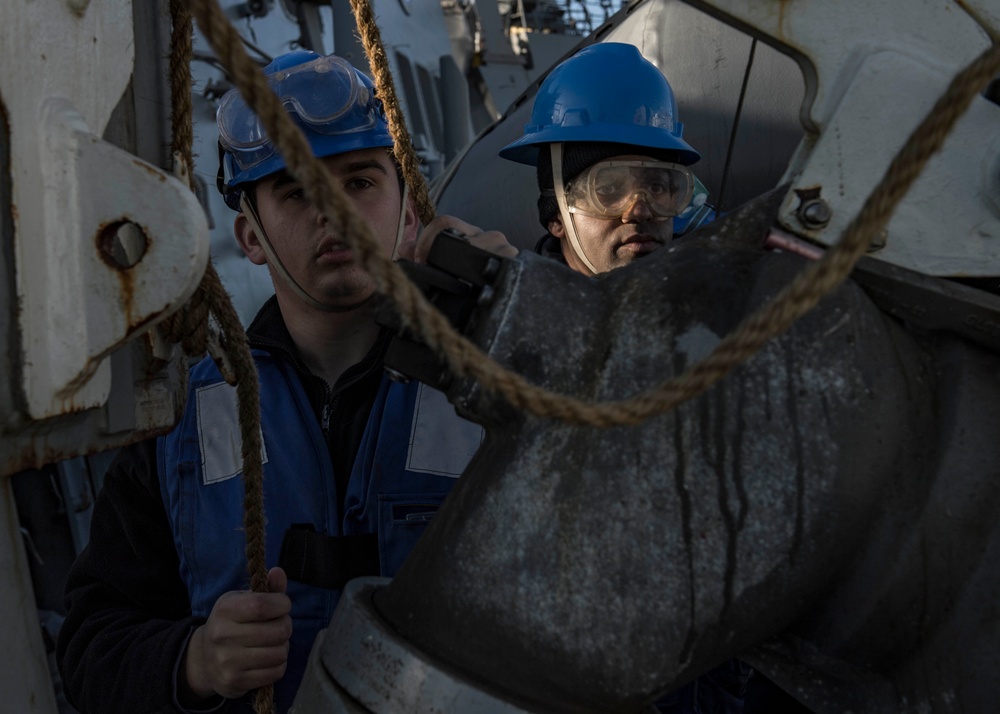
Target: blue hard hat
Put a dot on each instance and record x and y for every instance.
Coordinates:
(331, 101)
(607, 92)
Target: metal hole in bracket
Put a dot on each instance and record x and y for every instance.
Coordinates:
(122, 244)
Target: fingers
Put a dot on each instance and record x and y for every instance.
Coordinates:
(407, 250)
(247, 607)
(243, 644)
(236, 671)
(250, 619)
(232, 677)
(277, 580)
(419, 249)
(493, 241)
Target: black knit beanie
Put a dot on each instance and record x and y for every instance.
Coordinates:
(578, 156)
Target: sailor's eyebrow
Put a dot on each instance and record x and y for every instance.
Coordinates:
(362, 165)
(282, 178)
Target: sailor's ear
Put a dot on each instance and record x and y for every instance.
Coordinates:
(411, 225)
(248, 240)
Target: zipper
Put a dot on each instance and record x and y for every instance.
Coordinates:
(324, 422)
(331, 393)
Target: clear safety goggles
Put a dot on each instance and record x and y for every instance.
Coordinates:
(609, 189)
(325, 94)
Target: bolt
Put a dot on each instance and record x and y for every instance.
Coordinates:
(815, 213)
(253, 8)
(879, 241)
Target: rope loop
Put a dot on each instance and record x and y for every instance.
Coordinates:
(465, 359)
(803, 293)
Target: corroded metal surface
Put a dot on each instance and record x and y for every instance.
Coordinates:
(823, 511)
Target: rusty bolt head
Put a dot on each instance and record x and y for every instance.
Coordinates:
(879, 242)
(815, 213)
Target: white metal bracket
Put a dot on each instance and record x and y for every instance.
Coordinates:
(873, 71)
(75, 196)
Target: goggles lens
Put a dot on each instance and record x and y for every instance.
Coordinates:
(324, 94)
(609, 189)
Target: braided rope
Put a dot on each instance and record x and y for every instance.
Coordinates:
(466, 359)
(385, 89)
(189, 326)
(801, 295)
(181, 41)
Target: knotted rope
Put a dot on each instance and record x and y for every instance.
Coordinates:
(190, 327)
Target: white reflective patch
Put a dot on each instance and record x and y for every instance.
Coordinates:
(441, 442)
(219, 433)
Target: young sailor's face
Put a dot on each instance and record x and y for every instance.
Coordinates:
(318, 260)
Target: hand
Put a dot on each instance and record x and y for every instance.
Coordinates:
(493, 241)
(243, 645)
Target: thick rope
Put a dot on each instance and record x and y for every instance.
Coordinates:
(189, 326)
(181, 40)
(801, 295)
(385, 89)
(465, 358)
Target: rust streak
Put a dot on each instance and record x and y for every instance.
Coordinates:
(151, 170)
(782, 14)
(79, 8)
(142, 324)
(38, 452)
(77, 383)
(126, 278)
(31, 456)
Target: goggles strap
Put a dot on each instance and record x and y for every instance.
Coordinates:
(275, 262)
(556, 151)
(220, 178)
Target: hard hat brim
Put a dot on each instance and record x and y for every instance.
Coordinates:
(525, 150)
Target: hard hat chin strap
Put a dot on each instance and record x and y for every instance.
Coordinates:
(246, 206)
(401, 226)
(556, 151)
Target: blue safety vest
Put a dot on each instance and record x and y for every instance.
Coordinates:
(413, 449)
